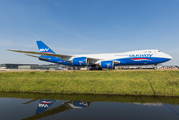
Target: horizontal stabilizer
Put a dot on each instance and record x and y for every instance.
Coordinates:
(38, 57)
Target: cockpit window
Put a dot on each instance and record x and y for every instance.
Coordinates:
(159, 51)
(150, 51)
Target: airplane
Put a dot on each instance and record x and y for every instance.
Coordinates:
(99, 61)
(43, 108)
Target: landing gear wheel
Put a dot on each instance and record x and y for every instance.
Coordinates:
(92, 68)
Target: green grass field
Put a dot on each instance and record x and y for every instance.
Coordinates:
(154, 83)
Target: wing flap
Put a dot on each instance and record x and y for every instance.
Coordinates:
(38, 57)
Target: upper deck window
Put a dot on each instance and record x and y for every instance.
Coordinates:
(150, 51)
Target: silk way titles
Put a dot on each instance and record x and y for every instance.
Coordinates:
(141, 55)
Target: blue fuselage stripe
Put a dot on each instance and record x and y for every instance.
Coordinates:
(140, 61)
(123, 61)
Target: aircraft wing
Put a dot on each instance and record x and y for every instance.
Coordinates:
(64, 57)
(46, 54)
(40, 53)
(33, 100)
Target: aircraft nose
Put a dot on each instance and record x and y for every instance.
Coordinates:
(168, 56)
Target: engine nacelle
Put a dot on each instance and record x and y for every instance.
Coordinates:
(107, 64)
(81, 61)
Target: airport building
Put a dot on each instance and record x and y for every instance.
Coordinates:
(40, 66)
(66, 67)
(139, 66)
(15, 66)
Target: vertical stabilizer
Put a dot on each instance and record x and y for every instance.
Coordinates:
(44, 48)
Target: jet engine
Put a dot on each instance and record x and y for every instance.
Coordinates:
(81, 61)
(107, 64)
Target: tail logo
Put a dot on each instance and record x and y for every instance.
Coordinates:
(43, 105)
(44, 49)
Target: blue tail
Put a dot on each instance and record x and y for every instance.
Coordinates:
(44, 48)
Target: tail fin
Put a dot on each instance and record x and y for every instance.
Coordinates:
(44, 48)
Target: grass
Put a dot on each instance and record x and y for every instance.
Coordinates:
(153, 83)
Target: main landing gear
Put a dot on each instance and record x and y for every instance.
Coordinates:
(95, 68)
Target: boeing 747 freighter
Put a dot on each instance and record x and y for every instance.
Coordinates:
(107, 60)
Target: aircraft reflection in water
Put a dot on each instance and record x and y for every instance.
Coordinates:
(44, 105)
(149, 104)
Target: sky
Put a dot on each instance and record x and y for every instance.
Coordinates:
(88, 26)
